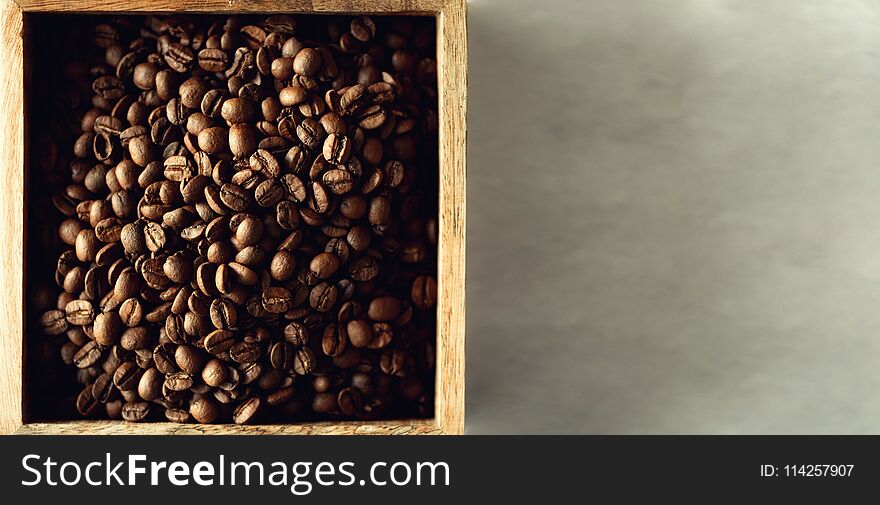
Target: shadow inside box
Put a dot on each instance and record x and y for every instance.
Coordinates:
(54, 49)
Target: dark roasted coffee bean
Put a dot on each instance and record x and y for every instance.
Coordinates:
(323, 297)
(296, 333)
(334, 340)
(350, 401)
(127, 376)
(235, 197)
(103, 389)
(213, 60)
(204, 410)
(247, 411)
(80, 312)
(135, 411)
(179, 57)
(276, 300)
(86, 404)
(53, 322)
(219, 341)
(244, 352)
(263, 162)
(304, 362)
(214, 373)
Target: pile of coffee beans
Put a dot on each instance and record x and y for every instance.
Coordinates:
(250, 221)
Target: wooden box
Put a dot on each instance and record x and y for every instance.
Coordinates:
(452, 87)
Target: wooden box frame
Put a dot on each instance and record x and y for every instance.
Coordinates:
(452, 88)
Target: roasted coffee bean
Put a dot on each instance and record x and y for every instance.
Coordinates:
(127, 376)
(235, 197)
(350, 401)
(178, 381)
(213, 60)
(263, 162)
(189, 359)
(247, 411)
(87, 355)
(107, 328)
(53, 322)
(336, 148)
(219, 341)
(323, 296)
(304, 362)
(338, 181)
(103, 389)
(223, 314)
(277, 300)
(244, 352)
(424, 292)
(269, 193)
(296, 333)
(204, 410)
(214, 373)
(242, 142)
(334, 340)
(324, 265)
(80, 312)
(135, 411)
(86, 404)
(150, 385)
(384, 308)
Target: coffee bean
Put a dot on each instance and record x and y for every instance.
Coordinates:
(135, 411)
(242, 142)
(336, 148)
(269, 193)
(223, 314)
(323, 297)
(107, 328)
(53, 322)
(359, 333)
(319, 198)
(189, 359)
(201, 255)
(383, 334)
(86, 404)
(304, 362)
(204, 410)
(350, 401)
(177, 415)
(127, 376)
(213, 60)
(384, 308)
(219, 341)
(334, 340)
(214, 373)
(178, 381)
(276, 300)
(244, 352)
(247, 411)
(237, 110)
(263, 162)
(424, 292)
(131, 312)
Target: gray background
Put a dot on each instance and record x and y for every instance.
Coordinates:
(674, 216)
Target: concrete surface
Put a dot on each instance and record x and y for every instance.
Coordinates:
(674, 216)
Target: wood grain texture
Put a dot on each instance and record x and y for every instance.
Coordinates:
(452, 79)
(234, 6)
(452, 88)
(11, 215)
(404, 427)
